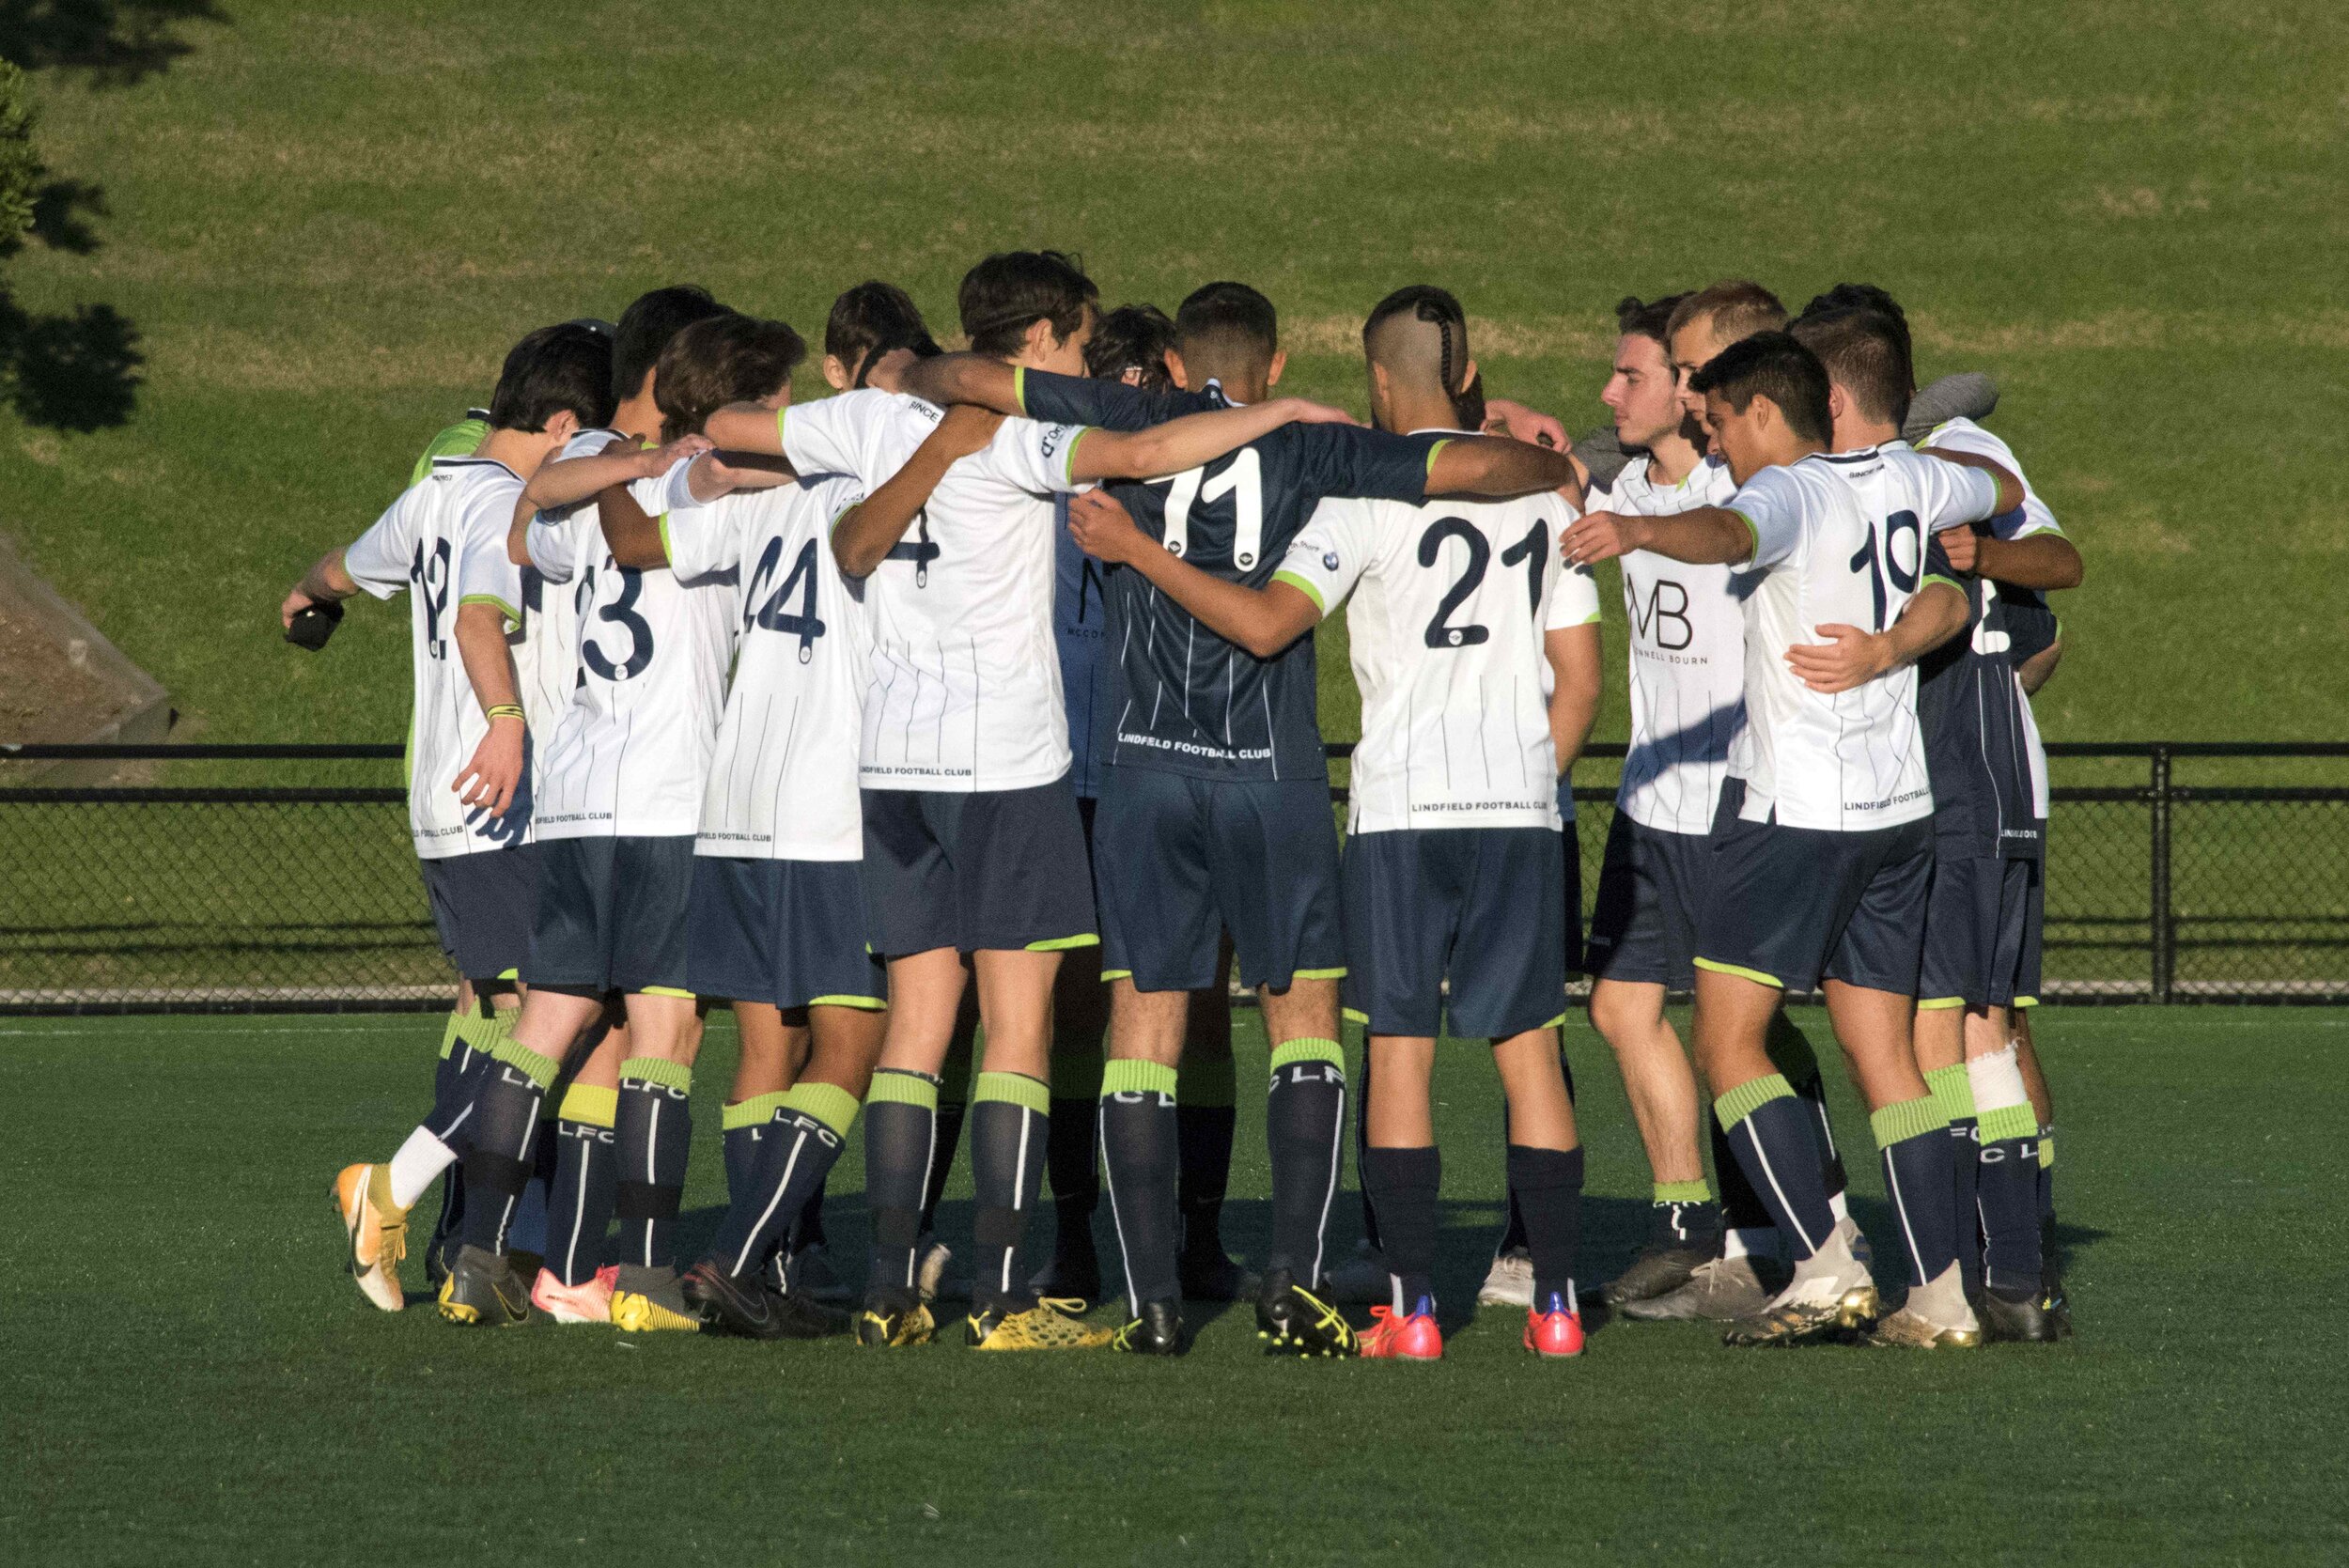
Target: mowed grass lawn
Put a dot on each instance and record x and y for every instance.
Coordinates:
(190, 1378)
(328, 227)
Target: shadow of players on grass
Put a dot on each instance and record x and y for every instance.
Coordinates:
(115, 43)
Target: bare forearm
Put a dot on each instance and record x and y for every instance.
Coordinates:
(746, 428)
(1491, 466)
(1248, 617)
(1933, 617)
(1577, 687)
(1191, 441)
(2044, 561)
(871, 530)
(1704, 536)
(2033, 672)
(948, 379)
(489, 664)
(574, 480)
(327, 580)
(631, 535)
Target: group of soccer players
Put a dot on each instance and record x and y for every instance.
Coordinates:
(967, 719)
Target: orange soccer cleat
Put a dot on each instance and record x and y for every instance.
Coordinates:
(1403, 1336)
(1551, 1335)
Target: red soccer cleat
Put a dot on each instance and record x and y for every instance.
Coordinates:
(1402, 1337)
(1552, 1335)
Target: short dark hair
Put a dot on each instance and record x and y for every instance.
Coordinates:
(552, 369)
(1226, 318)
(1772, 364)
(1638, 318)
(646, 326)
(1866, 353)
(1440, 309)
(872, 319)
(1865, 296)
(1735, 308)
(1011, 291)
(725, 358)
(1131, 337)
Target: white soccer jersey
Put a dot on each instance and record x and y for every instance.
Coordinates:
(1688, 633)
(1964, 435)
(1840, 539)
(966, 676)
(546, 661)
(782, 780)
(1450, 601)
(631, 753)
(445, 539)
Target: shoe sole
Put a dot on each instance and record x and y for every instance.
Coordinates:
(1855, 1313)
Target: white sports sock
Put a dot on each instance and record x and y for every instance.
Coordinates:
(1841, 1208)
(419, 1160)
(1761, 1242)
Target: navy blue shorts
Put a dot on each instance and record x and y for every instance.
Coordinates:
(999, 870)
(612, 914)
(482, 906)
(1975, 923)
(1651, 890)
(2027, 973)
(1179, 861)
(1482, 908)
(1791, 906)
(1570, 844)
(790, 933)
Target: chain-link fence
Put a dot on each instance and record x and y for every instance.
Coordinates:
(197, 877)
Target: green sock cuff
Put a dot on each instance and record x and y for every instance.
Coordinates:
(896, 1086)
(450, 1035)
(1014, 1089)
(1698, 1191)
(1213, 1083)
(495, 1031)
(523, 1060)
(660, 1071)
(1954, 1091)
(2046, 1147)
(1290, 1052)
(757, 1111)
(590, 1105)
(2008, 1122)
(1904, 1119)
(1137, 1078)
(827, 1102)
(1751, 1097)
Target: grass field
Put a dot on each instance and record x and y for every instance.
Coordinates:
(326, 228)
(190, 1378)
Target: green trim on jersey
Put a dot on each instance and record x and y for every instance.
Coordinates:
(1338, 973)
(513, 616)
(1591, 619)
(1938, 1004)
(666, 553)
(1019, 389)
(1749, 528)
(1932, 577)
(830, 529)
(1431, 455)
(1069, 454)
(666, 991)
(1302, 586)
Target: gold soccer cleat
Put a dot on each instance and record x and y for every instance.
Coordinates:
(376, 1232)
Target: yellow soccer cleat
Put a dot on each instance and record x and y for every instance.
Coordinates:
(648, 1300)
(895, 1320)
(374, 1229)
(1052, 1324)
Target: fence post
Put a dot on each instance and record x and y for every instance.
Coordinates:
(2164, 930)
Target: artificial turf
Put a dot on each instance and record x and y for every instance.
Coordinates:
(189, 1377)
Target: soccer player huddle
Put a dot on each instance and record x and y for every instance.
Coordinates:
(966, 719)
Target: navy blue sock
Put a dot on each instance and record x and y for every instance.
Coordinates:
(1917, 1148)
(1548, 1188)
(653, 1134)
(1405, 1184)
(1772, 1136)
(503, 1131)
(900, 1138)
(1305, 1131)
(1141, 1148)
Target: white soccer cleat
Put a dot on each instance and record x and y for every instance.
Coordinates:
(1510, 1280)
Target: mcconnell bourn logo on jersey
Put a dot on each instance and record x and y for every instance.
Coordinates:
(1666, 625)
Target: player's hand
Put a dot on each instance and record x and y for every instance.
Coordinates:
(1104, 530)
(1504, 417)
(1963, 546)
(654, 461)
(966, 428)
(889, 371)
(746, 471)
(497, 768)
(1848, 657)
(296, 602)
(1304, 411)
(1599, 537)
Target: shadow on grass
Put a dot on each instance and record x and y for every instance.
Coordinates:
(114, 43)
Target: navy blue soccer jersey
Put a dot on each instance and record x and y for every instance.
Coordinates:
(1185, 700)
(1977, 747)
(1080, 632)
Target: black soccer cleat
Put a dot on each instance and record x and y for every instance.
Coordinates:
(1157, 1331)
(484, 1290)
(1293, 1320)
(1074, 1272)
(1658, 1271)
(742, 1305)
(2025, 1322)
(1210, 1275)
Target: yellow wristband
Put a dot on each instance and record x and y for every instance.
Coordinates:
(506, 710)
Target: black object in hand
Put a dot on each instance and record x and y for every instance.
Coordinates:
(314, 625)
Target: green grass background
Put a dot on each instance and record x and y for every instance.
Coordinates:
(329, 227)
(190, 1378)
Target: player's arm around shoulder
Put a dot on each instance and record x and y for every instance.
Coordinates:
(868, 531)
(1193, 441)
(1261, 620)
(1942, 608)
(1702, 536)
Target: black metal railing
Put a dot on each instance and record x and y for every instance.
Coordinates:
(197, 877)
